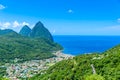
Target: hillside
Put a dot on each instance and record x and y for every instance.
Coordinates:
(105, 66)
(16, 49)
(6, 31)
(25, 31)
(15, 46)
(27, 45)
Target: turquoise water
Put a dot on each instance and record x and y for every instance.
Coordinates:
(76, 45)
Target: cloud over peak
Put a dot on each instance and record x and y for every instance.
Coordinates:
(18, 24)
(25, 23)
(12, 25)
(2, 7)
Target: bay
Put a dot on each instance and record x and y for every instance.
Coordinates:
(76, 44)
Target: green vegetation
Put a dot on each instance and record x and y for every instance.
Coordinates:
(14, 46)
(38, 44)
(2, 71)
(1, 78)
(94, 77)
(107, 67)
(27, 45)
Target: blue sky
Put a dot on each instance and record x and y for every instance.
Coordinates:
(63, 17)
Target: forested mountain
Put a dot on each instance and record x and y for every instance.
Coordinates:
(39, 31)
(25, 31)
(23, 47)
(105, 66)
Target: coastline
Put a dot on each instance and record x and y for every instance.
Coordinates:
(61, 54)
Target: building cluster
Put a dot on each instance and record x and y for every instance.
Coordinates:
(30, 68)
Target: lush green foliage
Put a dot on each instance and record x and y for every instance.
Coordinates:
(107, 66)
(2, 71)
(20, 47)
(13, 46)
(1, 78)
(94, 77)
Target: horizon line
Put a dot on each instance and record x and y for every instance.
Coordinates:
(81, 35)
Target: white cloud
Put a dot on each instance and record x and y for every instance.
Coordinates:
(6, 25)
(16, 24)
(70, 11)
(2, 7)
(25, 23)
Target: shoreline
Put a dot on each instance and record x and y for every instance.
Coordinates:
(61, 54)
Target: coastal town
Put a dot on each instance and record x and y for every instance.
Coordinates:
(28, 69)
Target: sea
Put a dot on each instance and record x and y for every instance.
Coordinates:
(76, 44)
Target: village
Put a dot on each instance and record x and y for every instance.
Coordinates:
(28, 69)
